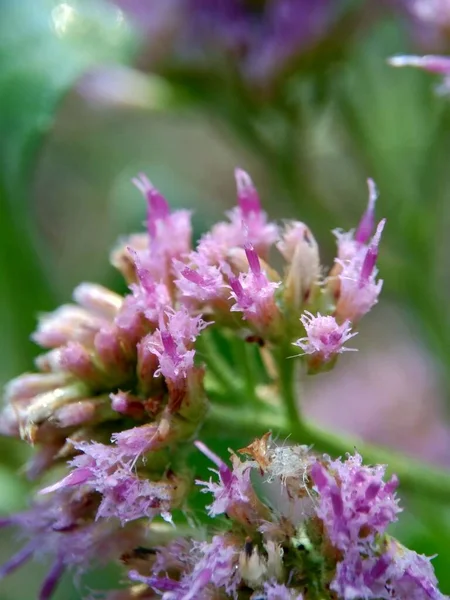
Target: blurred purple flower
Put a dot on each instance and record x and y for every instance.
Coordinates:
(429, 21)
(261, 37)
(389, 395)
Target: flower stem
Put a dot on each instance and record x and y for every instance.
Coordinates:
(218, 366)
(415, 477)
(287, 385)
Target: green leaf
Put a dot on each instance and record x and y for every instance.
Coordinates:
(44, 47)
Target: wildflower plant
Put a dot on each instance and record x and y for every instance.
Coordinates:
(130, 390)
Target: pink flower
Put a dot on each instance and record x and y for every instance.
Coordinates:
(355, 503)
(324, 336)
(233, 494)
(359, 289)
(170, 233)
(296, 234)
(198, 281)
(302, 275)
(172, 344)
(279, 591)
(248, 224)
(250, 217)
(148, 297)
(98, 299)
(68, 323)
(254, 294)
(216, 565)
(352, 243)
(108, 471)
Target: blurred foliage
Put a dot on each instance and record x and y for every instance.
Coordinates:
(75, 127)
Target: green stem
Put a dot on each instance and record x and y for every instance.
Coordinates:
(287, 386)
(218, 366)
(415, 477)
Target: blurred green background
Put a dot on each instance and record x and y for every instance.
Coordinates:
(80, 115)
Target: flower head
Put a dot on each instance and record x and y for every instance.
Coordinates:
(248, 224)
(169, 233)
(358, 287)
(106, 470)
(261, 41)
(254, 294)
(199, 282)
(325, 338)
(355, 504)
(121, 393)
(353, 243)
(233, 494)
(172, 343)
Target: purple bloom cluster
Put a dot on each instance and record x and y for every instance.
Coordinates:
(120, 389)
(315, 528)
(260, 38)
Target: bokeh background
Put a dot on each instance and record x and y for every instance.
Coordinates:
(92, 93)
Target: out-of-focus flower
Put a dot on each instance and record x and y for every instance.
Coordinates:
(433, 64)
(389, 395)
(63, 527)
(261, 39)
(429, 22)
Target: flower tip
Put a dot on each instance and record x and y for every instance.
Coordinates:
(248, 198)
(157, 204)
(143, 183)
(366, 225)
(373, 193)
(431, 63)
(243, 180)
(209, 454)
(403, 60)
(378, 232)
(202, 447)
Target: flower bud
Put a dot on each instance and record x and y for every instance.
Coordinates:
(28, 385)
(77, 361)
(67, 323)
(301, 251)
(44, 405)
(121, 258)
(84, 412)
(324, 339)
(98, 299)
(126, 404)
(111, 353)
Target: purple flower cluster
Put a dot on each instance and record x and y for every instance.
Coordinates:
(120, 389)
(260, 38)
(316, 527)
